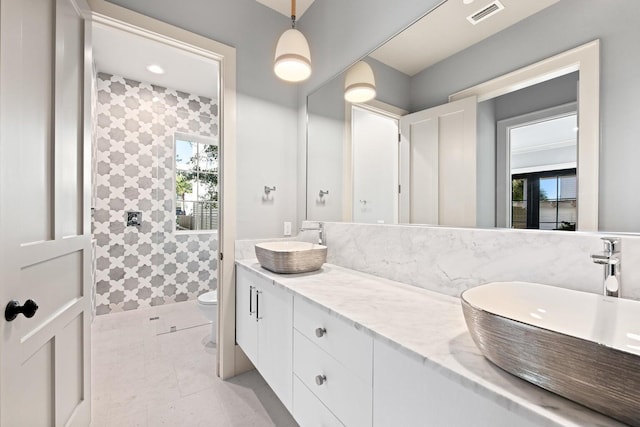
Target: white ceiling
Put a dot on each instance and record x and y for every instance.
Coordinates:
(284, 6)
(128, 55)
(446, 31)
(546, 135)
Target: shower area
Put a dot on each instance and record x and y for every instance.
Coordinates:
(154, 172)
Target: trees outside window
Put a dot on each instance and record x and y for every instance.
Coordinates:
(196, 166)
(544, 200)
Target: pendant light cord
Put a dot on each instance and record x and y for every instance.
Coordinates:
(293, 13)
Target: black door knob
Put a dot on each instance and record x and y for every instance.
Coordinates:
(14, 308)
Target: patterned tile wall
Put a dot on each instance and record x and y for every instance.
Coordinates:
(151, 264)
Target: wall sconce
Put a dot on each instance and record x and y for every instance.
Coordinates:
(359, 83)
(293, 57)
(268, 190)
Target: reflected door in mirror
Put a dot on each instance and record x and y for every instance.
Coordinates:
(438, 165)
(375, 166)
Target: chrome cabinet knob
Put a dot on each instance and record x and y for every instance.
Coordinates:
(320, 332)
(321, 379)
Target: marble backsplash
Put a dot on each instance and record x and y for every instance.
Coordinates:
(450, 260)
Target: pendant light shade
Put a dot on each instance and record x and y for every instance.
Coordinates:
(293, 58)
(359, 84)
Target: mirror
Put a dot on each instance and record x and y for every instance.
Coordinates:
(450, 59)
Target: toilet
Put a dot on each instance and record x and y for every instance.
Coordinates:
(208, 305)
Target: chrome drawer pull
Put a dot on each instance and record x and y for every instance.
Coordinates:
(320, 332)
(258, 305)
(251, 288)
(321, 379)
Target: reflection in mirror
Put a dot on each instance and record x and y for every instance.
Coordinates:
(543, 174)
(497, 46)
(375, 166)
(518, 113)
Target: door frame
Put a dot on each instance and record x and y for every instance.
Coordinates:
(230, 359)
(586, 60)
(503, 154)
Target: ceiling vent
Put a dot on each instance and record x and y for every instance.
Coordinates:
(486, 12)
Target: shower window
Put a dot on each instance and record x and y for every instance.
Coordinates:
(196, 183)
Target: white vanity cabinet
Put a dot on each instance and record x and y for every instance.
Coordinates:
(409, 393)
(264, 317)
(309, 411)
(332, 366)
(334, 360)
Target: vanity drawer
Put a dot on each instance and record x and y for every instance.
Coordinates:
(308, 410)
(347, 396)
(351, 347)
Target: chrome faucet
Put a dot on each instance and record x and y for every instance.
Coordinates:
(610, 258)
(320, 230)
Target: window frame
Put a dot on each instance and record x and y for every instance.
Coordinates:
(533, 191)
(199, 139)
(503, 154)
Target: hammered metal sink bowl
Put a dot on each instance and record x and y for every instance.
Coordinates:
(291, 257)
(582, 346)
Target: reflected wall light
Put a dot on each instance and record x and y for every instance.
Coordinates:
(359, 83)
(293, 57)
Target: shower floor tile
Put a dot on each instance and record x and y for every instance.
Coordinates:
(145, 375)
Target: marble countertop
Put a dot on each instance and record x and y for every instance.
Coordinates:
(430, 327)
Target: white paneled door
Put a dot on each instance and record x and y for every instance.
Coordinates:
(375, 166)
(438, 165)
(45, 231)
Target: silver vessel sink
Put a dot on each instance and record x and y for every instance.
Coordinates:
(291, 256)
(582, 346)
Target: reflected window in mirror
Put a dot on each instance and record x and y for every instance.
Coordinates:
(543, 159)
(544, 200)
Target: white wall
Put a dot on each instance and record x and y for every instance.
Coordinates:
(486, 165)
(326, 132)
(563, 26)
(271, 115)
(559, 91)
(267, 107)
(270, 112)
(339, 33)
(392, 86)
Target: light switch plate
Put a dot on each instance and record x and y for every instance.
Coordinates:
(287, 228)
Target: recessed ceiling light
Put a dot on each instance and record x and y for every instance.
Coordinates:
(467, 1)
(155, 69)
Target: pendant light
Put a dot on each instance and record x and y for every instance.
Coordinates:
(359, 83)
(293, 58)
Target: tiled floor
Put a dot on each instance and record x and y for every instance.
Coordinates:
(145, 375)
